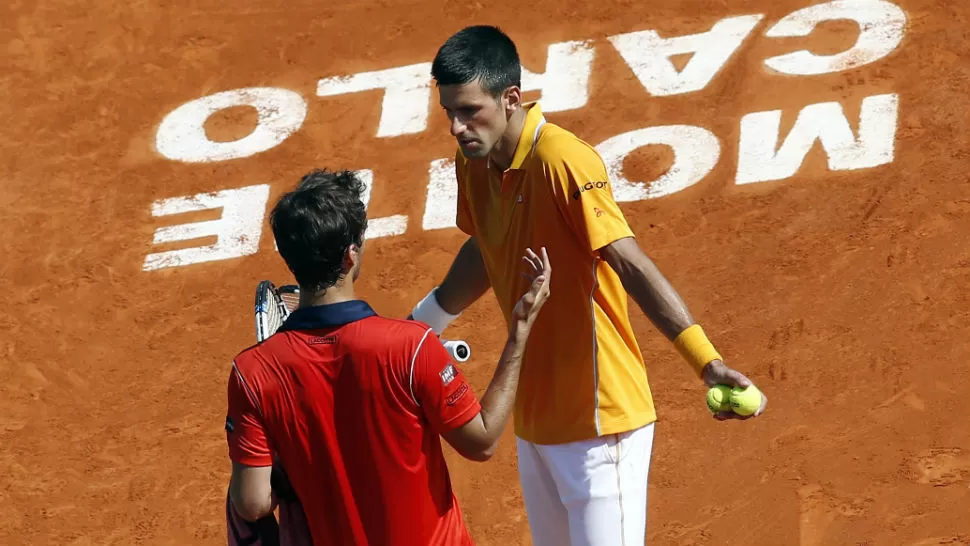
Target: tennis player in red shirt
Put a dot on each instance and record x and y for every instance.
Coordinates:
(350, 404)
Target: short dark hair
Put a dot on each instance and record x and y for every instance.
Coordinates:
(478, 53)
(316, 223)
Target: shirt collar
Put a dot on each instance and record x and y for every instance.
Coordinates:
(326, 316)
(534, 120)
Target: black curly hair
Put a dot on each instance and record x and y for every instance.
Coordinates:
(316, 223)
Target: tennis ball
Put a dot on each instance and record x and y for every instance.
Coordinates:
(719, 398)
(745, 401)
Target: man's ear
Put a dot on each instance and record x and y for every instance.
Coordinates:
(513, 99)
(352, 255)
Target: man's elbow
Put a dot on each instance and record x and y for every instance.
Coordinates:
(486, 453)
(479, 454)
(250, 504)
(250, 510)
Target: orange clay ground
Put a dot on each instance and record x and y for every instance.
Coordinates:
(842, 293)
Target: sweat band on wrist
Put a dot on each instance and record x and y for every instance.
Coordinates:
(430, 312)
(694, 346)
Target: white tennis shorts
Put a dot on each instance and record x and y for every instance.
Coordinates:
(587, 493)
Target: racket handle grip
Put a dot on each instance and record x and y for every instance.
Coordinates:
(459, 350)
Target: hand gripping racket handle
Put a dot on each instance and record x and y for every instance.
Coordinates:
(459, 350)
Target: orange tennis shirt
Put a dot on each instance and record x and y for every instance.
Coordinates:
(583, 375)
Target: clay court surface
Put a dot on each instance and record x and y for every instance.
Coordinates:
(842, 293)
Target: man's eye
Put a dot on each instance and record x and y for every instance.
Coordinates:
(466, 112)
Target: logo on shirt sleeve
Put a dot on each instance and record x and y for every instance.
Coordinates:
(229, 425)
(459, 393)
(448, 374)
(589, 186)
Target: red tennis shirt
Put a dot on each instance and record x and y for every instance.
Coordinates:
(353, 405)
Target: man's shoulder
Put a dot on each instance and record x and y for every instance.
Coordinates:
(249, 352)
(253, 357)
(557, 145)
(398, 330)
(390, 337)
(376, 333)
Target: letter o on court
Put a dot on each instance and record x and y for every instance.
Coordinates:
(181, 135)
(696, 151)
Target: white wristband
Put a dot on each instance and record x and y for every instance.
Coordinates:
(430, 312)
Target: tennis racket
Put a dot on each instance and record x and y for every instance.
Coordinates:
(274, 304)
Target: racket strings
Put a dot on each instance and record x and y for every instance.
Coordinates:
(291, 299)
(274, 314)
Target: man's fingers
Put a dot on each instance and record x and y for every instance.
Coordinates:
(533, 257)
(534, 261)
(539, 263)
(738, 379)
(764, 403)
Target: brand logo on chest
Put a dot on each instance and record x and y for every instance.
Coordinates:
(589, 186)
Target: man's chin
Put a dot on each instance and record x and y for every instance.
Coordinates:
(476, 151)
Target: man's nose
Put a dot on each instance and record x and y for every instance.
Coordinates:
(457, 127)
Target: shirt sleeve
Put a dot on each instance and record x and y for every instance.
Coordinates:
(463, 217)
(582, 187)
(245, 434)
(439, 387)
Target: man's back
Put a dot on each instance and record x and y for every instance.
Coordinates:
(353, 405)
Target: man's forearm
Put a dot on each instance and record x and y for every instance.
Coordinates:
(661, 303)
(465, 282)
(657, 298)
(499, 398)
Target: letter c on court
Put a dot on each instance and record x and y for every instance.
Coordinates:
(182, 137)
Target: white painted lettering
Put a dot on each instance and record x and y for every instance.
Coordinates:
(237, 232)
(696, 151)
(648, 55)
(565, 83)
(441, 205)
(379, 227)
(181, 135)
(881, 28)
(761, 160)
(407, 95)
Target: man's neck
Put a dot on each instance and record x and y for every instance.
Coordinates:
(504, 151)
(338, 293)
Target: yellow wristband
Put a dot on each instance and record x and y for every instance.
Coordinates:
(694, 346)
